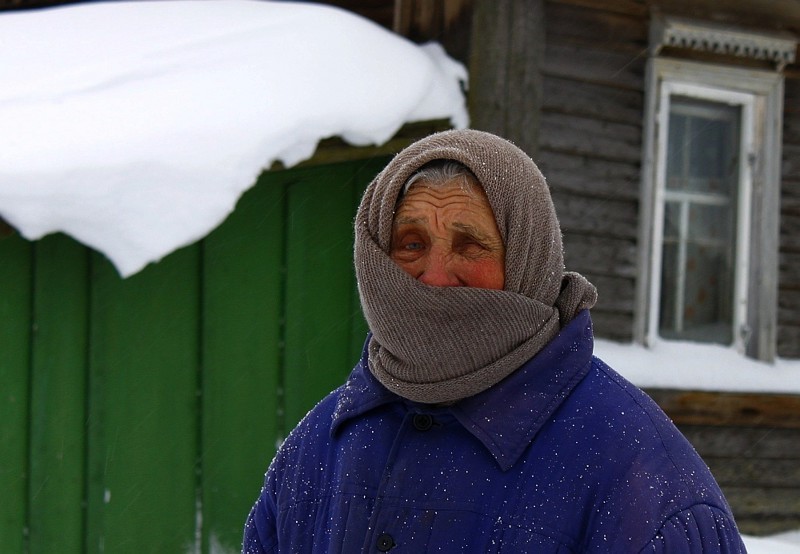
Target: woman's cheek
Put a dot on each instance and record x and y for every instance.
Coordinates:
(484, 274)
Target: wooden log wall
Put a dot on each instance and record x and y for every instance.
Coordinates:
(751, 442)
(590, 140)
(789, 262)
(590, 146)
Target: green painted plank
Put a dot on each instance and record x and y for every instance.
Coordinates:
(242, 301)
(15, 325)
(143, 420)
(320, 282)
(58, 385)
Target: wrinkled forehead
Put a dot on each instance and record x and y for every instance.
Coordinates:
(504, 172)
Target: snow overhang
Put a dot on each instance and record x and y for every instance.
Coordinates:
(134, 127)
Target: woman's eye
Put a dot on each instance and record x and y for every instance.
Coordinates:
(471, 245)
(413, 246)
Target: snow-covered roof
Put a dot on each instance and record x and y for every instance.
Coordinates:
(134, 127)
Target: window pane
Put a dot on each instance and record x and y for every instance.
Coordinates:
(672, 221)
(669, 322)
(697, 273)
(707, 309)
(703, 146)
(676, 152)
(710, 224)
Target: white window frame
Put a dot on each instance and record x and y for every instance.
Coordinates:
(746, 102)
(760, 94)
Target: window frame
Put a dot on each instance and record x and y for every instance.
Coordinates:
(760, 92)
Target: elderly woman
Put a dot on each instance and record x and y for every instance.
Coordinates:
(477, 419)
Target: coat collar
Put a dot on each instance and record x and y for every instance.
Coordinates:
(507, 416)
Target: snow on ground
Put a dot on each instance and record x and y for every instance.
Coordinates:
(687, 365)
(134, 127)
(783, 543)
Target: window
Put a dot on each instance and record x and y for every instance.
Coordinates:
(702, 212)
(710, 194)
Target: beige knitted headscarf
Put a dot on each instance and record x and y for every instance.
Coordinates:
(441, 344)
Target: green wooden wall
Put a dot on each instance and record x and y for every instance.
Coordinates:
(139, 415)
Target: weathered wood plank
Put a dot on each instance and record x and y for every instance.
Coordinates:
(616, 71)
(602, 256)
(754, 472)
(626, 7)
(790, 201)
(612, 325)
(445, 22)
(792, 90)
(790, 162)
(790, 300)
(776, 14)
(607, 218)
(574, 97)
(789, 317)
(790, 236)
(788, 335)
(789, 341)
(378, 11)
(767, 524)
(615, 294)
(789, 267)
(590, 176)
(505, 59)
(730, 409)
(585, 136)
(596, 27)
(764, 501)
(790, 225)
(791, 120)
(743, 442)
(595, 45)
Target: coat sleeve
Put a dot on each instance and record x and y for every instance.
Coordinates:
(260, 530)
(699, 529)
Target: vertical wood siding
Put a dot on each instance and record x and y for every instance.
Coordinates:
(15, 338)
(139, 415)
(57, 394)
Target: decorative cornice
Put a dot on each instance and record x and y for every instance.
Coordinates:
(778, 48)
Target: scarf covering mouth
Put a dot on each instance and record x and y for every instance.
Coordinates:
(441, 344)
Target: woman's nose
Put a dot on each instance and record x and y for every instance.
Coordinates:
(438, 270)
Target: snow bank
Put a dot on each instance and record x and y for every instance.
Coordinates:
(134, 127)
(696, 366)
(784, 543)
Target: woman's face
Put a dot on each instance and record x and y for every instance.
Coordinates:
(447, 237)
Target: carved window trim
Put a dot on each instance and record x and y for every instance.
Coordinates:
(777, 48)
